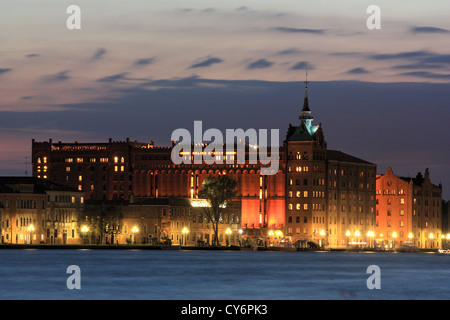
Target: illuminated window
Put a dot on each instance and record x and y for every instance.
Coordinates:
(305, 206)
(39, 160)
(305, 194)
(297, 206)
(80, 178)
(298, 193)
(116, 168)
(93, 160)
(92, 187)
(45, 159)
(80, 187)
(402, 201)
(82, 200)
(116, 159)
(67, 169)
(69, 160)
(122, 168)
(290, 206)
(290, 194)
(122, 160)
(79, 160)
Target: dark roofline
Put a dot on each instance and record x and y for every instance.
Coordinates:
(40, 185)
(417, 181)
(335, 155)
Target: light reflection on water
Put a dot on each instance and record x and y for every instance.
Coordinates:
(221, 275)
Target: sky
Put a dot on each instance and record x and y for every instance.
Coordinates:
(141, 69)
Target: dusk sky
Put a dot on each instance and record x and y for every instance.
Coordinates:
(141, 69)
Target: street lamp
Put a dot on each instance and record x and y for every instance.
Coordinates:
(431, 236)
(348, 234)
(271, 233)
(228, 232)
(134, 231)
(240, 236)
(394, 235)
(322, 234)
(30, 230)
(185, 232)
(371, 234)
(84, 231)
(411, 238)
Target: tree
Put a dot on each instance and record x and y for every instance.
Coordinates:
(217, 191)
(101, 220)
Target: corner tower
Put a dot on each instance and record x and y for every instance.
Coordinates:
(306, 155)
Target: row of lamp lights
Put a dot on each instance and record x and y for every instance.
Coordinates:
(394, 235)
(371, 234)
(185, 231)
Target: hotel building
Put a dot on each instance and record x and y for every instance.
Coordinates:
(319, 196)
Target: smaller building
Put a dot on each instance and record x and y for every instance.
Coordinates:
(408, 211)
(35, 210)
(163, 221)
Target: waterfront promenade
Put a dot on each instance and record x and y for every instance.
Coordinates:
(207, 248)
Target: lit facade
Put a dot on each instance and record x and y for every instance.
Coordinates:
(38, 211)
(409, 211)
(330, 197)
(317, 195)
(157, 222)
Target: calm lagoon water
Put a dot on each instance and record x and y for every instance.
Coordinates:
(221, 275)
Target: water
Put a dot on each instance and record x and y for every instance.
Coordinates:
(221, 275)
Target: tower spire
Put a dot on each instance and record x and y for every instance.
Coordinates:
(306, 112)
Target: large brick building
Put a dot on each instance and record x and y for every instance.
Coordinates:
(318, 195)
